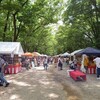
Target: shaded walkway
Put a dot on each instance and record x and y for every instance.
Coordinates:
(33, 85)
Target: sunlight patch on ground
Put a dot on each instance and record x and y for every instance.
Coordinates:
(53, 95)
(39, 68)
(97, 85)
(90, 86)
(72, 98)
(44, 83)
(32, 91)
(2, 92)
(86, 85)
(32, 86)
(20, 83)
(13, 97)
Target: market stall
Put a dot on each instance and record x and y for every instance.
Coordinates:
(89, 51)
(72, 55)
(36, 54)
(11, 52)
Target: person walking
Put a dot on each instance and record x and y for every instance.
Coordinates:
(60, 63)
(33, 64)
(86, 63)
(97, 62)
(45, 63)
(38, 61)
(2, 69)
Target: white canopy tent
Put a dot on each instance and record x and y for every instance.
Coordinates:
(43, 55)
(65, 54)
(74, 52)
(11, 48)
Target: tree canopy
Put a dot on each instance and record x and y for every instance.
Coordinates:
(30, 22)
(81, 25)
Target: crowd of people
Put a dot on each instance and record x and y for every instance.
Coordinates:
(81, 65)
(36, 62)
(58, 62)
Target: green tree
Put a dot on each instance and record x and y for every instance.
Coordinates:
(27, 22)
(85, 13)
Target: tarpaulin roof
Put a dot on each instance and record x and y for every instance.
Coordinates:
(76, 51)
(36, 54)
(65, 54)
(89, 51)
(29, 54)
(11, 48)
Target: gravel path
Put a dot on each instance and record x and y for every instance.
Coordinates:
(88, 90)
(39, 84)
(35, 84)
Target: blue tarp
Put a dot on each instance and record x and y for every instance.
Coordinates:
(89, 51)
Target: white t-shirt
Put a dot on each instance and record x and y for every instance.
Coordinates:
(45, 61)
(70, 62)
(59, 60)
(97, 61)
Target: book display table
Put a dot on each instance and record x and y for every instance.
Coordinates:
(92, 69)
(13, 69)
(77, 75)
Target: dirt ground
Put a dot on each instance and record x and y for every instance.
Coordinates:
(38, 84)
(79, 90)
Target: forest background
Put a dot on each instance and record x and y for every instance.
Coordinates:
(51, 26)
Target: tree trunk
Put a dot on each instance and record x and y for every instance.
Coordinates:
(1, 1)
(15, 34)
(5, 27)
(14, 23)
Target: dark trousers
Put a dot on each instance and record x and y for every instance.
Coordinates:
(45, 66)
(98, 72)
(86, 68)
(60, 67)
(2, 78)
